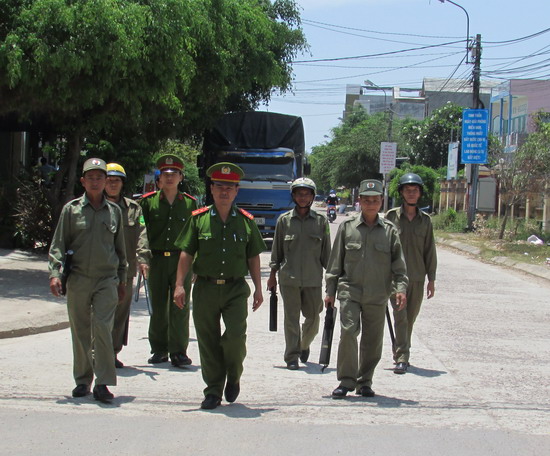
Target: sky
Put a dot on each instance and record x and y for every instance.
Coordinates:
(339, 29)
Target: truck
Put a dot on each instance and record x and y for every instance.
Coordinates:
(270, 148)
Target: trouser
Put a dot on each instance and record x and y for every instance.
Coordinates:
(222, 355)
(367, 318)
(309, 302)
(169, 325)
(91, 305)
(404, 321)
(122, 318)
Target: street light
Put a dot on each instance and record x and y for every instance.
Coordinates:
(368, 83)
(467, 26)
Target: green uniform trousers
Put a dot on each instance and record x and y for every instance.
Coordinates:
(404, 321)
(367, 318)
(309, 302)
(169, 325)
(222, 355)
(122, 318)
(91, 305)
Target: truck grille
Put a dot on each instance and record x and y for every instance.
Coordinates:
(259, 206)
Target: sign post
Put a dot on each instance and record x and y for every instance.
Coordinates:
(475, 127)
(388, 156)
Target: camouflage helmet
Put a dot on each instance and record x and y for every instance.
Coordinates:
(303, 182)
(410, 179)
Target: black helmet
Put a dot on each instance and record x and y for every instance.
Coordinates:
(410, 179)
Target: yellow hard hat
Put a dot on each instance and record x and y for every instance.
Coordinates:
(114, 169)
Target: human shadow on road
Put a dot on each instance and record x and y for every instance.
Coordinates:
(310, 368)
(421, 372)
(89, 399)
(236, 410)
(379, 400)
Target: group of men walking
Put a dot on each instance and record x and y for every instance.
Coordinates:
(168, 240)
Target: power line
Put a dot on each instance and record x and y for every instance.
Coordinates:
(378, 54)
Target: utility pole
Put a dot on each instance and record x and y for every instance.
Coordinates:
(476, 50)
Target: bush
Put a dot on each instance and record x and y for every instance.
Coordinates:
(33, 215)
(450, 221)
(517, 229)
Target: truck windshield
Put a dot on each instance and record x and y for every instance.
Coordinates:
(282, 172)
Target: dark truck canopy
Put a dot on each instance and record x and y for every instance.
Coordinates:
(256, 130)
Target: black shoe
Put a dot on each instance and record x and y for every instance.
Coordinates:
(304, 356)
(232, 391)
(340, 392)
(118, 364)
(400, 368)
(102, 394)
(157, 358)
(365, 391)
(180, 359)
(210, 402)
(81, 390)
(292, 365)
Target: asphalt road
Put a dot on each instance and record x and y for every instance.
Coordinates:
(478, 385)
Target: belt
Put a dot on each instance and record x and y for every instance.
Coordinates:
(219, 281)
(165, 253)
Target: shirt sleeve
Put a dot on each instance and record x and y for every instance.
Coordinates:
(120, 245)
(277, 249)
(325, 247)
(143, 252)
(188, 240)
(398, 265)
(256, 244)
(335, 267)
(430, 254)
(58, 244)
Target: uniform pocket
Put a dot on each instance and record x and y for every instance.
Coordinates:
(353, 251)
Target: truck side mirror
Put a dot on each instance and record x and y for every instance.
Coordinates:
(307, 169)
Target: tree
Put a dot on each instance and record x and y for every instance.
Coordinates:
(428, 139)
(527, 170)
(354, 150)
(135, 72)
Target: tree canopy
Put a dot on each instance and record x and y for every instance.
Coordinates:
(354, 150)
(136, 72)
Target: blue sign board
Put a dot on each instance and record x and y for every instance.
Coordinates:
(475, 127)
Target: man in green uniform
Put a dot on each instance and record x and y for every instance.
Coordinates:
(417, 237)
(301, 248)
(165, 213)
(365, 265)
(225, 243)
(91, 226)
(137, 251)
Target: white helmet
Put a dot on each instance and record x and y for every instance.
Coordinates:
(303, 182)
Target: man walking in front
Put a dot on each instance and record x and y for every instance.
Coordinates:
(224, 244)
(137, 251)
(417, 237)
(300, 252)
(91, 226)
(165, 213)
(365, 265)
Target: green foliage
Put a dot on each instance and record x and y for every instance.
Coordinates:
(429, 177)
(517, 229)
(124, 75)
(450, 221)
(352, 154)
(428, 139)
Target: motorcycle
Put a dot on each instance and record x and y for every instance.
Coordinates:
(331, 213)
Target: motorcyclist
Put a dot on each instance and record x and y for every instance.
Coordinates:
(332, 199)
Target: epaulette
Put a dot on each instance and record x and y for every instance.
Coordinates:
(147, 195)
(245, 213)
(190, 196)
(202, 210)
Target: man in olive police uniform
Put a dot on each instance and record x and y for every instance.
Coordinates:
(300, 252)
(92, 227)
(417, 238)
(137, 251)
(225, 244)
(165, 213)
(365, 265)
